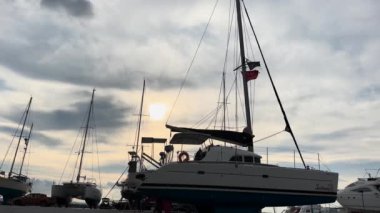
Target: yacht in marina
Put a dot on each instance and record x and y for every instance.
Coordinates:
(362, 195)
(231, 176)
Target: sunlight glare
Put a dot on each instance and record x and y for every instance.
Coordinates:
(157, 111)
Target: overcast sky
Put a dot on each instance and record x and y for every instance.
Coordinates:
(323, 56)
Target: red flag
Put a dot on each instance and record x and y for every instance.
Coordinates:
(251, 75)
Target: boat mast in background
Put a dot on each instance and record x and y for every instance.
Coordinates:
(139, 124)
(85, 134)
(20, 136)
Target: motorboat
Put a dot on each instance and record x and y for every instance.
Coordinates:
(362, 195)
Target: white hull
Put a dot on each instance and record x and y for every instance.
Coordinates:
(83, 191)
(11, 188)
(239, 179)
(361, 195)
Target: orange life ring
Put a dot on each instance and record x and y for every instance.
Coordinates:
(183, 157)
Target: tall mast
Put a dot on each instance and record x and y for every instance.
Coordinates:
(25, 149)
(20, 136)
(243, 70)
(139, 122)
(85, 134)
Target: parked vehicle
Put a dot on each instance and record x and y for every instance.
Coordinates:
(33, 199)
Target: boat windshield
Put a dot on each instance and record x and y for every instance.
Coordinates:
(362, 189)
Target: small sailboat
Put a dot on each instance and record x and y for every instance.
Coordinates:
(84, 190)
(129, 186)
(233, 178)
(17, 184)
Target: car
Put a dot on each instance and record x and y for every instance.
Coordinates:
(33, 199)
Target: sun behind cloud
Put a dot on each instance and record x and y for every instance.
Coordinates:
(157, 111)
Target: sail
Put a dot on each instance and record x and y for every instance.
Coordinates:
(197, 135)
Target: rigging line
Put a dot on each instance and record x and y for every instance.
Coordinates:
(92, 155)
(76, 161)
(28, 161)
(95, 132)
(248, 43)
(241, 102)
(287, 127)
(214, 116)
(253, 99)
(231, 12)
(14, 136)
(10, 145)
(269, 136)
(71, 151)
(126, 168)
(192, 60)
(208, 115)
(218, 103)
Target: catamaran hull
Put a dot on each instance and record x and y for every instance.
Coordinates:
(10, 188)
(240, 184)
(64, 193)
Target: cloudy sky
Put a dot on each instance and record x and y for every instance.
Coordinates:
(323, 57)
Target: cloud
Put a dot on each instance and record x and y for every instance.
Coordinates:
(3, 85)
(370, 93)
(36, 137)
(45, 140)
(108, 115)
(77, 8)
(101, 53)
(117, 168)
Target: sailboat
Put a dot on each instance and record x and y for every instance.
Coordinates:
(129, 187)
(17, 184)
(130, 184)
(85, 190)
(223, 178)
(362, 195)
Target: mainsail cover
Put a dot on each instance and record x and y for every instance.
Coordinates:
(200, 135)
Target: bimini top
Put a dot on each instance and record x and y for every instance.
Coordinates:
(198, 136)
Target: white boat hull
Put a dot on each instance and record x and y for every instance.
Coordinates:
(11, 188)
(362, 195)
(229, 183)
(84, 191)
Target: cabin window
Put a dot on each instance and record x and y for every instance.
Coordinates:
(248, 159)
(237, 158)
(363, 189)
